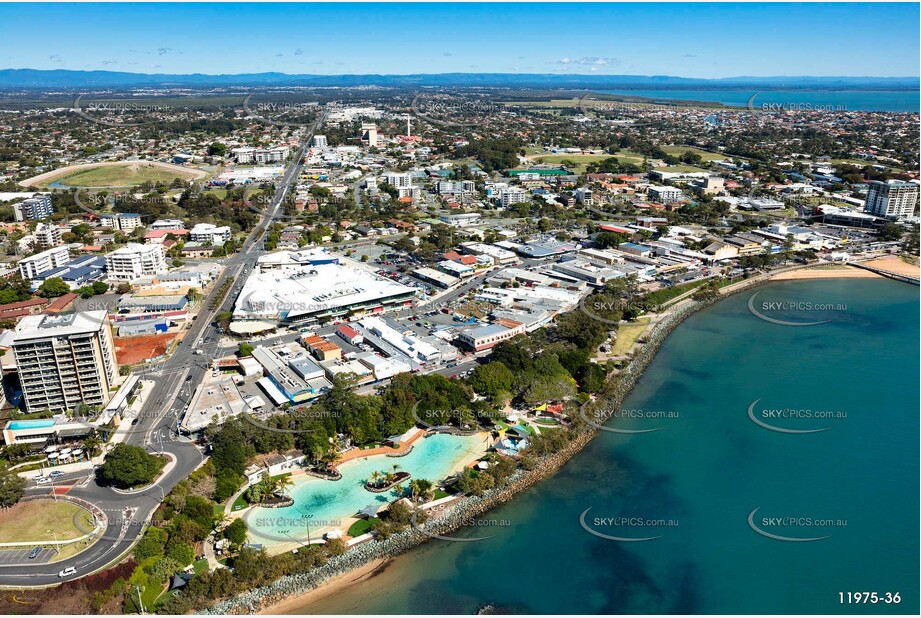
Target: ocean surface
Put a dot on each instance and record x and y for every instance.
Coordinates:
(831, 100)
(696, 481)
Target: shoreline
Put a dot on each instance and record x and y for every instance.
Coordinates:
(334, 584)
(617, 388)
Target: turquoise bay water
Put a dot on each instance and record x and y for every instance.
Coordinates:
(847, 100)
(329, 503)
(706, 471)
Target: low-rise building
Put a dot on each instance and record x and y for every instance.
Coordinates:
(484, 337)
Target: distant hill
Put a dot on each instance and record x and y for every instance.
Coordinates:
(33, 78)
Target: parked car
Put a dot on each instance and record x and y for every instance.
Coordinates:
(35, 552)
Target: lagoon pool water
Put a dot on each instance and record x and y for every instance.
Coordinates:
(322, 504)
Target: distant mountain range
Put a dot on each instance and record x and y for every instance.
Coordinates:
(33, 78)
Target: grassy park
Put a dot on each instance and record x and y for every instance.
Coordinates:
(41, 521)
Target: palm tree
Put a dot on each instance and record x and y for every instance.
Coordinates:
(375, 478)
(282, 484)
(420, 489)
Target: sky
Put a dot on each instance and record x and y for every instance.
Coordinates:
(676, 39)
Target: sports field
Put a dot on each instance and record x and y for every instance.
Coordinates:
(113, 174)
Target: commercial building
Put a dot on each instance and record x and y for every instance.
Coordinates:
(297, 379)
(305, 287)
(210, 234)
(134, 261)
(260, 155)
(319, 141)
(65, 360)
(167, 224)
(497, 254)
(586, 271)
(430, 275)
(404, 341)
(461, 220)
(34, 265)
(484, 337)
(892, 199)
(33, 209)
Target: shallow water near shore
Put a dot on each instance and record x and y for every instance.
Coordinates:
(695, 482)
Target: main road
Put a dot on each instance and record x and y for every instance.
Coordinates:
(173, 380)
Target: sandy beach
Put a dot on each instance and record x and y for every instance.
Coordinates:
(835, 272)
(295, 604)
(895, 264)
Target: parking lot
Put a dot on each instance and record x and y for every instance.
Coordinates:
(10, 557)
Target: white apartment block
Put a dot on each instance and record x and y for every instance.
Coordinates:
(513, 195)
(584, 196)
(893, 198)
(134, 261)
(35, 265)
(319, 141)
(260, 155)
(397, 180)
(124, 221)
(65, 360)
(47, 236)
(456, 187)
(664, 194)
(210, 234)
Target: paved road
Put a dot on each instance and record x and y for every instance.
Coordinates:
(174, 381)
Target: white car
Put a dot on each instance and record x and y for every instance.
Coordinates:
(42, 480)
(67, 571)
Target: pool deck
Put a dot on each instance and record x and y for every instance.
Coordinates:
(357, 453)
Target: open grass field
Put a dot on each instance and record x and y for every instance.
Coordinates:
(132, 174)
(113, 174)
(627, 334)
(38, 521)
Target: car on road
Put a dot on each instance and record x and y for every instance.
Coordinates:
(56, 473)
(42, 480)
(36, 551)
(67, 571)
